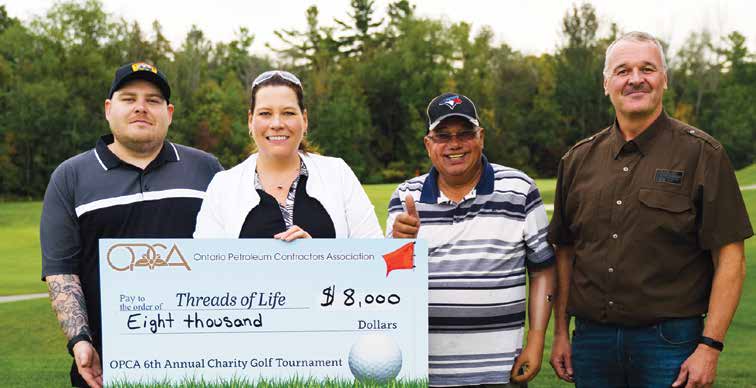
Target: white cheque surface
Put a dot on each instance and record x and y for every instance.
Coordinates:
(182, 309)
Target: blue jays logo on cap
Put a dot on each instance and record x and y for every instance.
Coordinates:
(457, 104)
(451, 101)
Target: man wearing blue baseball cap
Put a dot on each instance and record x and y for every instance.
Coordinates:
(485, 225)
(133, 184)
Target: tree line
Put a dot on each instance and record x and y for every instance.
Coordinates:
(367, 83)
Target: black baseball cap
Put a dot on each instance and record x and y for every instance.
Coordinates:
(451, 104)
(140, 70)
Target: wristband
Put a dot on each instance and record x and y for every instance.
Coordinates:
(76, 339)
(711, 342)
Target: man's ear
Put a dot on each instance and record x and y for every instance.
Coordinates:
(666, 81)
(171, 108)
(606, 86)
(428, 143)
(107, 109)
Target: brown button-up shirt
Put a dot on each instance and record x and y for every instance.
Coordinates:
(643, 216)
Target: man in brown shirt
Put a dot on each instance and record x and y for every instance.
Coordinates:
(649, 226)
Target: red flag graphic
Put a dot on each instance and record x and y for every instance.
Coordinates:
(402, 258)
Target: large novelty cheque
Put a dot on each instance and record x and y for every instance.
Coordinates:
(181, 311)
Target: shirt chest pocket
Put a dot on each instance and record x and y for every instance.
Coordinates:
(665, 215)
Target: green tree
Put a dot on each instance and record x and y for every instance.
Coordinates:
(398, 82)
(54, 95)
(579, 79)
(5, 20)
(340, 123)
(367, 83)
(735, 122)
(235, 57)
(360, 30)
(695, 77)
(315, 49)
(219, 119)
(527, 116)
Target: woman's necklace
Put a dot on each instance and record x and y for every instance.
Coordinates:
(285, 183)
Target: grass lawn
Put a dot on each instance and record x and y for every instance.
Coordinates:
(747, 176)
(546, 188)
(19, 248)
(380, 196)
(34, 348)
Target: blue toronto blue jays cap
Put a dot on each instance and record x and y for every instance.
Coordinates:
(451, 104)
(140, 70)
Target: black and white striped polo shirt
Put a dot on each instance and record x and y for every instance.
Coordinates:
(95, 195)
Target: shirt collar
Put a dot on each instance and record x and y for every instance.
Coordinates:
(444, 199)
(108, 160)
(644, 141)
(432, 194)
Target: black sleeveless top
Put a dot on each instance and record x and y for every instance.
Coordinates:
(265, 220)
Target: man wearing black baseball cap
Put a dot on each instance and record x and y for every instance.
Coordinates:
(140, 70)
(133, 184)
(485, 225)
(450, 105)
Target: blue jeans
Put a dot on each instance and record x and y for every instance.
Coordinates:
(618, 356)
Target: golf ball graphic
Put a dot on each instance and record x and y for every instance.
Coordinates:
(375, 357)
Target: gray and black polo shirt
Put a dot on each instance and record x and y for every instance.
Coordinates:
(95, 195)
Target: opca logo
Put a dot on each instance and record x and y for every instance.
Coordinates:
(126, 257)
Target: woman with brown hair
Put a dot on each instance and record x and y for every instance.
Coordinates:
(283, 190)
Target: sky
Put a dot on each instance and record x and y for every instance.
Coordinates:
(529, 26)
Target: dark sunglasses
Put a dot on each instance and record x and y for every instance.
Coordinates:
(272, 73)
(462, 136)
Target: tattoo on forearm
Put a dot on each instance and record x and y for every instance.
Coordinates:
(67, 299)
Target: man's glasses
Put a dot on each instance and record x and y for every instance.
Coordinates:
(272, 73)
(462, 136)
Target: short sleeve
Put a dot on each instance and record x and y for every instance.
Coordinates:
(559, 229)
(59, 235)
(724, 218)
(539, 252)
(215, 167)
